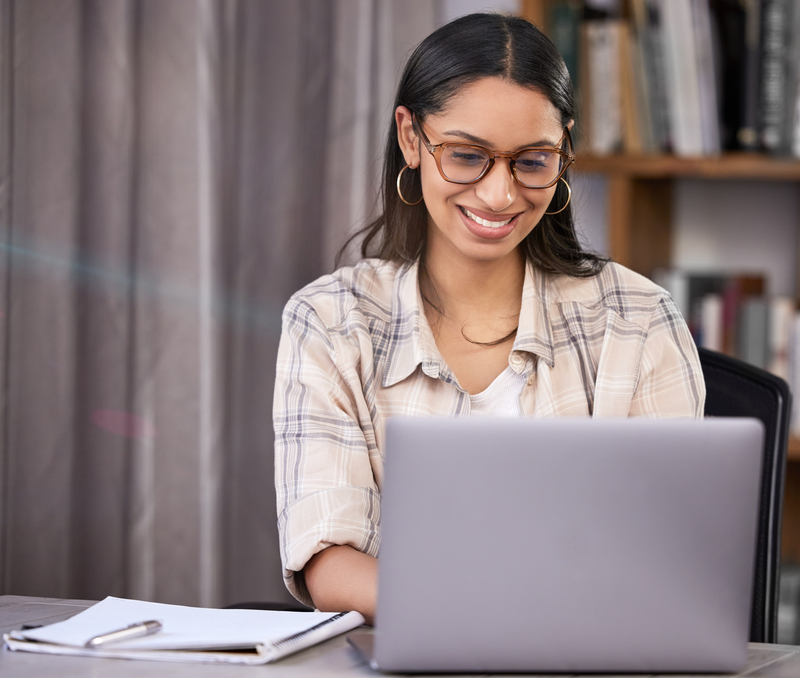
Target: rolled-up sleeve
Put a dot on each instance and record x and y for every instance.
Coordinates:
(670, 378)
(325, 485)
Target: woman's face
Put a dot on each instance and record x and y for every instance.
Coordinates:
(487, 220)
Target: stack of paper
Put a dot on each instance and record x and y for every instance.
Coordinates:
(188, 633)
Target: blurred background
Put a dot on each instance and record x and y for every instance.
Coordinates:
(171, 171)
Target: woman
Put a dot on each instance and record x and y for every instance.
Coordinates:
(478, 301)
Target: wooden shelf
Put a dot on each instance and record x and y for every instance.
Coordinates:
(727, 166)
(640, 196)
(794, 450)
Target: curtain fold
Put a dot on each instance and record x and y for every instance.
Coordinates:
(170, 173)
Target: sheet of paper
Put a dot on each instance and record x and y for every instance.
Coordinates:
(183, 627)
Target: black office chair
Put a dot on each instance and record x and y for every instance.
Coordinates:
(737, 389)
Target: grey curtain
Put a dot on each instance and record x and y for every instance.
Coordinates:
(170, 172)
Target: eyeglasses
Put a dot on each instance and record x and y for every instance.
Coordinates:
(468, 163)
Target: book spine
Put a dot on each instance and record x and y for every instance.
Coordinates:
(582, 133)
(564, 20)
(682, 77)
(754, 332)
(655, 56)
(707, 78)
(631, 115)
(775, 41)
(737, 289)
(642, 74)
(728, 21)
(642, 96)
(748, 132)
(781, 317)
(605, 127)
(711, 322)
(791, 137)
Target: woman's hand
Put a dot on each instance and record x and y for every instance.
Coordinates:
(341, 579)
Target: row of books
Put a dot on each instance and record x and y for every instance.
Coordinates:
(733, 314)
(692, 77)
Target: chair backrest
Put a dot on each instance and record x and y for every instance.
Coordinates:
(737, 389)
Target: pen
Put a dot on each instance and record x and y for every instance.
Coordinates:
(136, 630)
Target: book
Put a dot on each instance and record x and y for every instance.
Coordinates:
(728, 21)
(648, 65)
(189, 634)
(781, 313)
(656, 75)
(630, 99)
(706, 77)
(682, 73)
(582, 132)
(754, 324)
(777, 24)
(747, 134)
(791, 133)
(564, 21)
(711, 322)
(602, 113)
(647, 55)
(642, 94)
(698, 287)
(737, 288)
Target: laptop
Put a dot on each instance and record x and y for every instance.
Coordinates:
(566, 545)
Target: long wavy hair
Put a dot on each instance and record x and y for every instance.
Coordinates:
(459, 53)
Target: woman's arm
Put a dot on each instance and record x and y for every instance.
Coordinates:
(325, 481)
(342, 579)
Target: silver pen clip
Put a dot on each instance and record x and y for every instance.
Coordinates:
(137, 630)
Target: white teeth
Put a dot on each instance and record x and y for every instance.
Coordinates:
(485, 222)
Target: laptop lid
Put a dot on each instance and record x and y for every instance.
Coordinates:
(567, 545)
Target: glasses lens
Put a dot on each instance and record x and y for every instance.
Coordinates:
(536, 169)
(463, 163)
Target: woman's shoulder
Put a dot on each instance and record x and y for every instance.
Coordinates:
(616, 287)
(365, 288)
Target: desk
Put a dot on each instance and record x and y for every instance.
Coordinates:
(333, 658)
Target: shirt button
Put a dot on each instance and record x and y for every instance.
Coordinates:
(517, 359)
(531, 380)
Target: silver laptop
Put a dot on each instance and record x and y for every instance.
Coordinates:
(567, 545)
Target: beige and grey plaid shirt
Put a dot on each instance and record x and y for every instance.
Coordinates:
(357, 348)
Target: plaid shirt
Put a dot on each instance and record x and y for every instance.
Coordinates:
(356, 349)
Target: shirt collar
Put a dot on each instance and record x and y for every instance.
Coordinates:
(411, 341)
(535, 334)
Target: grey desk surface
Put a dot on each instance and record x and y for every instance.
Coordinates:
(332, 658)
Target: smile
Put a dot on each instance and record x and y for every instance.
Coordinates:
(485, 222)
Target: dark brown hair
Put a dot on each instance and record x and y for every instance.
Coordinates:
(465, 50)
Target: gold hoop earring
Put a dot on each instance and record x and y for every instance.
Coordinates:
(400, 193)
(569, 197)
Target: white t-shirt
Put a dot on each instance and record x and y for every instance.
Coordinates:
(501, 397)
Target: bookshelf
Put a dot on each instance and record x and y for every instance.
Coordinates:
(640, 214)
(640, 194)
